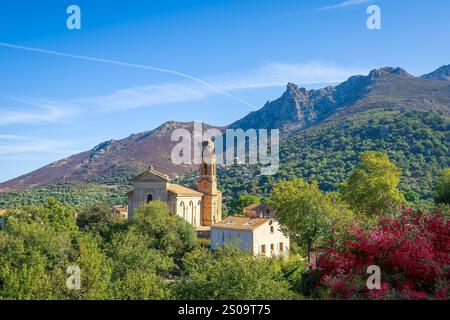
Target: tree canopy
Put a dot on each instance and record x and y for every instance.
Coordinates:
(306, 213)
(373, 185)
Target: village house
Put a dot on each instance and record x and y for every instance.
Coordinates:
(201, 205)
(119, 212)
(259, 211)
(260, 236)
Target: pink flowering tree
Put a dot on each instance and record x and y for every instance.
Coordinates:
(412, 251)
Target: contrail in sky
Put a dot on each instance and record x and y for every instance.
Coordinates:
(126, 64)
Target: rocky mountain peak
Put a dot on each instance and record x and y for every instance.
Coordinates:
(385, 71)
(296, 110)
(443, 74)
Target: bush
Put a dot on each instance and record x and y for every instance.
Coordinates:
(228, 274)
(412, 251)
(170, 234)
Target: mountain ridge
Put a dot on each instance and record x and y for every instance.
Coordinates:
(442, 74)
(296, 110)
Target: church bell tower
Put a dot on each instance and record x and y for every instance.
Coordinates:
(207, 184)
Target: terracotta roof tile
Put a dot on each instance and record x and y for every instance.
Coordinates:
(182, 191)
(120, 208)
(241, 223)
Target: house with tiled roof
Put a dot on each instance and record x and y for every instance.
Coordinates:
(260, 236)
(259, 210)
(119, 212)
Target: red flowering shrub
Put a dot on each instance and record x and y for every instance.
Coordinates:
(412, 251)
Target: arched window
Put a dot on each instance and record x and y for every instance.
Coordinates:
(194, 216)
(191, 206)
(149, 198)
(184, 209)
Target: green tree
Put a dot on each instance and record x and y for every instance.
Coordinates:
(33, 258)
(170, 234)
(243, 200)
(442, 188)
(373, 186)
(36, 248)
(228, 274)
(306, 213)
(139, 271)
(95, 269)
(97, 220)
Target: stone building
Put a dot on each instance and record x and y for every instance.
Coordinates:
(119, 212)
(260, 236)
(259, 211)
(201, 205)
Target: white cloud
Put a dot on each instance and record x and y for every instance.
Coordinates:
(192, 88)
(37, 111)
(344, 4)
(17, 144)
(269, 75)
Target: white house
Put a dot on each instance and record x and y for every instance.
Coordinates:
(261, 236)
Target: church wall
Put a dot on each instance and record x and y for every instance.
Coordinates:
(158, 190)
(189, 208)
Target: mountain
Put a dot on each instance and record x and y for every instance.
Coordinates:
(299, 108)
(348, 118)
(443, 74)
(111, 162)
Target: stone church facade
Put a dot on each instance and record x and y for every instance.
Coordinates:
(201, 205)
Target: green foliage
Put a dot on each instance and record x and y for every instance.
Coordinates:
(96, 219)
(372, 187)
(442, 188)
(139, 269)
(170, 234)
(36, 247)
(76, 195)
(243, 200)
(95, 270)
(228, 274)
(308, 214)
(150, 258)
(418, 143)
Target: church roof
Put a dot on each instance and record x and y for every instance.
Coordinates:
(241, 223)
(153, 172)
(182, 191)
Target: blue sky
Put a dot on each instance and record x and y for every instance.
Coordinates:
(246, 51)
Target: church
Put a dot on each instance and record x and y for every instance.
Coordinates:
(201, 205)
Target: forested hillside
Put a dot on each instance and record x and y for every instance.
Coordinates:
(322, 134)
(418, 142)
